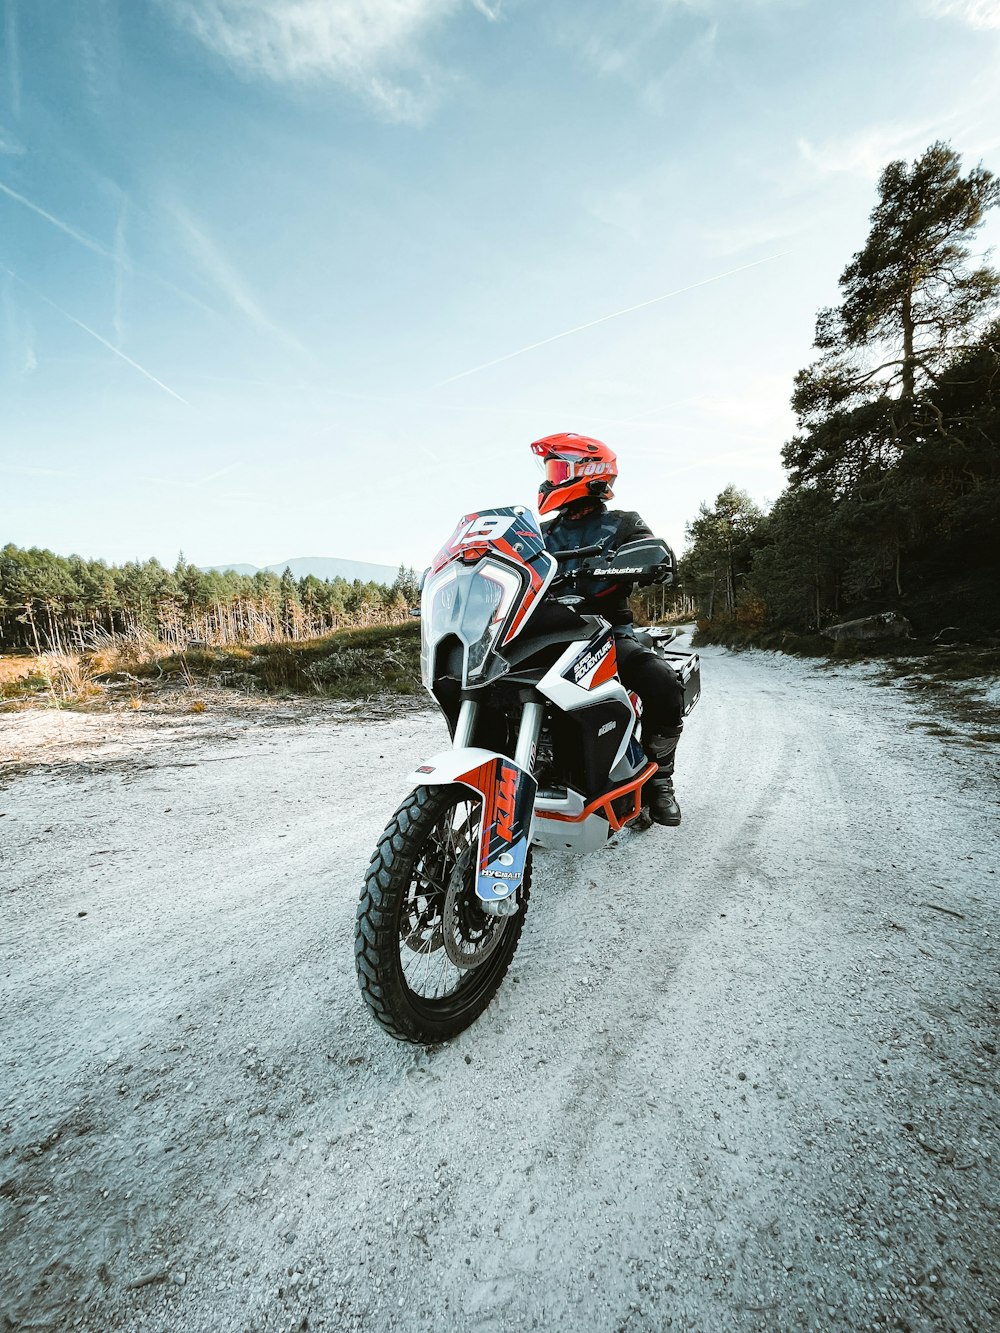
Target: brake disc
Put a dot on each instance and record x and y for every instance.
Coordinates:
(418, 941)
(470, 935)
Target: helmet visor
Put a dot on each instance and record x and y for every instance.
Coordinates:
(559, 471)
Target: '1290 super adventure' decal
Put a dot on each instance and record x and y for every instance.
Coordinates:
(597, 663)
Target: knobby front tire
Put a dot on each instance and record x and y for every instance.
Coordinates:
(421, 884)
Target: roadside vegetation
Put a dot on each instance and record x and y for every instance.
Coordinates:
(130, 669)
(893, 496)
(78, 633)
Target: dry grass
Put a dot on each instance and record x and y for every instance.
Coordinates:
(58, 677)
(351, 664)
(70, 678)
(16, 668)
(132, 653)
(348, 664)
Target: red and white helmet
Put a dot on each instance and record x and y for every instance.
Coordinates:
(576, 467)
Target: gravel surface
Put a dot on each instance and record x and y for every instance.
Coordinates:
(741, 1075)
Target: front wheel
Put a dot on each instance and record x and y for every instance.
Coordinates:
(429, 959)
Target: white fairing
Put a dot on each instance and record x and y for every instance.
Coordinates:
(568, 696)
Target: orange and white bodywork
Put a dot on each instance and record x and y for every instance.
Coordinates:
(508, 795)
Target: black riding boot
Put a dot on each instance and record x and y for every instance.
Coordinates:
(659, 790)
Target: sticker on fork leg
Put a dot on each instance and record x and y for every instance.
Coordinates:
(508, 794)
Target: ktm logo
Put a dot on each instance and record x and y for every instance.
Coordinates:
(505, 804)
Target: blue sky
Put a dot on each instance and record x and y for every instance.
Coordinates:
(250, 248)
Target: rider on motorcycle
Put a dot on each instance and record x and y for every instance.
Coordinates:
(579, 475)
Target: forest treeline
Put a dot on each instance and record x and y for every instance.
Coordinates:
(51, 602)
(893, 494)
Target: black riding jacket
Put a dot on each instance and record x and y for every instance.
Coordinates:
(596, 523)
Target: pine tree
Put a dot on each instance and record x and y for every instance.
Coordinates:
(911, 305)
(721, 550)
(909, 298)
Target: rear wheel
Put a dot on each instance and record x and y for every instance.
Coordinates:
(429, 959)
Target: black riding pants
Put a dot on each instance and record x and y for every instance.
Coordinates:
(655, 683)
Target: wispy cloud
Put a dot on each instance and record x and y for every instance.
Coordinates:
(127, 359)
(219, 269)
(116, 255)
(29, 359)
(866, 152)
(99, 49)
(741, 234)
(648, 44)
(757, 460)
(603, 319)
(371, 47)
(19, 341)
(219, 472)
(95, 335)
(80, 237)
(976, 13)
(194, 483)
(22, 470)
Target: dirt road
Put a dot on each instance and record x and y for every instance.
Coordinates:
(741, 1076)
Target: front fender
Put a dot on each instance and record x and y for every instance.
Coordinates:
(450, 765)
(508, 796)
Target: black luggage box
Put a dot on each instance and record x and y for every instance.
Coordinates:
(686, 663)
(688, 667)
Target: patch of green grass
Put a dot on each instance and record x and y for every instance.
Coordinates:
(23, 686)
(195, 662)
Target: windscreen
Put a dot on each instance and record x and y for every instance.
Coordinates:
(511, 532)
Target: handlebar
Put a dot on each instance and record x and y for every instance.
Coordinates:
(650, 575)
(578, 554)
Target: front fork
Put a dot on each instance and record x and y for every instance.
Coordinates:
(528, 732)
(532, 717)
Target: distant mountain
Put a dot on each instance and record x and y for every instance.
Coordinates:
(321, 567)
(236, 569)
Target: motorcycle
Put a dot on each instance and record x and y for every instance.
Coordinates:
(545, 751)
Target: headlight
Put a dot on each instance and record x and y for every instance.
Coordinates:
(470, 603)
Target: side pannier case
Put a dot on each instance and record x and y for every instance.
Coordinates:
(688, 668)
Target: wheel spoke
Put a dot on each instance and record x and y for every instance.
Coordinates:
(447, 844)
